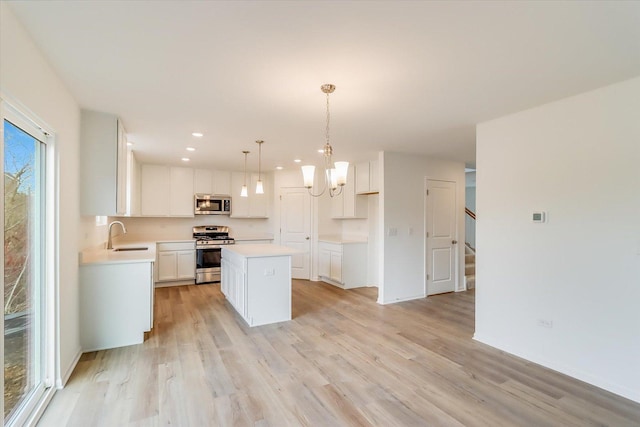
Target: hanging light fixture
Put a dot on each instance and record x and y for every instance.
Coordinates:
(259, 189)
(334, 177)
(243, 192)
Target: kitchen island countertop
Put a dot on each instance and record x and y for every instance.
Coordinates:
(259, 250)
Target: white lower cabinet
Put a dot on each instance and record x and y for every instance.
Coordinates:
(116, 304)
(343, 264)
(176, 261)
(258, 286)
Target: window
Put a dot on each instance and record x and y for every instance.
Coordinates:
(27, 281)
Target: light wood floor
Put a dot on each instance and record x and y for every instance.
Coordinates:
(343, 360)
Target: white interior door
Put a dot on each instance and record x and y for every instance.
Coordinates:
(295, 228)
(441, 236)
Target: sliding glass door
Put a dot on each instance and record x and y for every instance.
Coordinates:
(25, 278)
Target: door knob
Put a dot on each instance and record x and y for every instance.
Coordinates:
(453, 242)
(306, 238)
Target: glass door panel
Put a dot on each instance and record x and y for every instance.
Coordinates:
(24, 268)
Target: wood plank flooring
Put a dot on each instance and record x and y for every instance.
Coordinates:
(342, 361)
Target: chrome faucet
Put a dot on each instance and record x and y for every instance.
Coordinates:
(109, 241)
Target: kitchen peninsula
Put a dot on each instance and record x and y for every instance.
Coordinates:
(256, 280)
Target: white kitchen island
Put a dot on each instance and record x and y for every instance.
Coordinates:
(256, 280)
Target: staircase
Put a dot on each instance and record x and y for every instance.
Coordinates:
(469, 267)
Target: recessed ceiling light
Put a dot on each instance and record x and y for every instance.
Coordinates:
(185, 159)
(279, 168)
(297, 160)
(198, 134)
(321, 151)
(191, 149)
(129, 143)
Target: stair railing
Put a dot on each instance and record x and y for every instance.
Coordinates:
(469, 212)
(471, 228)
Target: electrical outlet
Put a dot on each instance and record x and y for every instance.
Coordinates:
(393, 231)
(269, 272)
(544, 323)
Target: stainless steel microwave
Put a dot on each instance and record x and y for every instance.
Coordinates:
(211, 204)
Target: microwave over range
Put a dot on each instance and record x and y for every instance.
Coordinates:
(211, 204)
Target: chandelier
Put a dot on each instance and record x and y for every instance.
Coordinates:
(334, 177)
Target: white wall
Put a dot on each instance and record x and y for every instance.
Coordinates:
(402, 207)
(27, 77)
(578, 159)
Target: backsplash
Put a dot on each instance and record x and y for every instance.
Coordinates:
(181, 228)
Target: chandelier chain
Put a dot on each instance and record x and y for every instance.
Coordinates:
(328, 120)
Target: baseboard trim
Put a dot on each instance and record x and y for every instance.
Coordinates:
(586, 377)
(62, 381)
(402, 299)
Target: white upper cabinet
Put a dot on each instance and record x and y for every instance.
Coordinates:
(367, 177)
(209, 181)
(348, 204)
(181, 201)
(221, 183)
(154, 186)
(103, 164)
(254, 205)
(203, 182)
(166, 191)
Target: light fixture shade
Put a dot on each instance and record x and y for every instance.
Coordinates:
(333, 178)
(307, 175)
(342, 168)
(259, 189)
(243, 192)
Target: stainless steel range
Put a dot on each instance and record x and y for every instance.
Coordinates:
(209, 242)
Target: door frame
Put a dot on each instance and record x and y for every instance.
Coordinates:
(456, 258)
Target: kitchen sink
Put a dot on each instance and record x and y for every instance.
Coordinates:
(130, 249)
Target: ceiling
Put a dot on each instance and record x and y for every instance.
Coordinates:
(411, 76)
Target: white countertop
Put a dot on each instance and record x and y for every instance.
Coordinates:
(342, 240)
(259, 250)
(104, 256)
(253, 237)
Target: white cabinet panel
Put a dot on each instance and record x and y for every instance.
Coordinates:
(167, 266)
(343, 264)
(259, 288)
(367, 176)
(348, 204)
(154, 187)
(208, 181)
(116, 304)
(324, 263)
(176, 261)
(103, 164)
(166, 191)
(335, 270)
(181, 192)
(186, 264)
(203, 181)
(221, 183)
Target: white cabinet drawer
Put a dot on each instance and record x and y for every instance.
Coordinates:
(177, 246)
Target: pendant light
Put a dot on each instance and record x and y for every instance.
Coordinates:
(243, 192)
(259, 188)
(334, 177)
